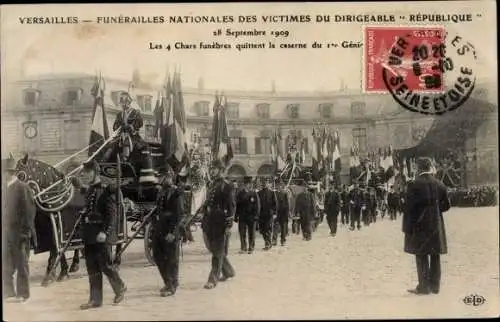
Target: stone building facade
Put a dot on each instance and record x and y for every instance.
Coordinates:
(50, 118)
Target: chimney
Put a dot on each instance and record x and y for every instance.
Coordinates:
(273, 86)
(201, 83)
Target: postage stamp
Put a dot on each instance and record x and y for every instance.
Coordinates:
(410, 52)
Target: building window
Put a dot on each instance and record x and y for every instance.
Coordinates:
(293, 111)
(359, 139)
(262, 145)
(115, 97)
(239, 141)
(31, 97)
(145, 102)
(202, 108)
(72, 96)
(263, 110)
(358, 108)
(325, 110)
(233, 110)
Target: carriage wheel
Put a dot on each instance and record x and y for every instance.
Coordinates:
(148, 242)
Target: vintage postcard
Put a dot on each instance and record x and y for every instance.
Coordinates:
(248, 161)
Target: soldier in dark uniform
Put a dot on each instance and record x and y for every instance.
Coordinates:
(130, 120)
(392, 203)
(356, 204)
(305, 208)
(18, 229)
(98, 233)
(166, 237)
(365, 209)
(267, 213)
(247, 214)
(344, 206)
(424, 228)
(332, 207)
(372, 205)
(281, 221)
(217, 222)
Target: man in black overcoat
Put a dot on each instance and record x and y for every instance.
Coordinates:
(247, 214)
(332, 208)
(356, 204)
(392, 203)
(217, 222)
(18, 224)
(99, 232)
(281, 221)
(166, 236)
(423, 226)
(306, 209)
(268, 206)
(344, 208)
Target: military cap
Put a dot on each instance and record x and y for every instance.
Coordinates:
(424, 164)
(247, 179)
(91, 165)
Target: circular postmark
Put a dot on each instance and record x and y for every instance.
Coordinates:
(430, 72)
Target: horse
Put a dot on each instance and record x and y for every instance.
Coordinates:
(40, 175)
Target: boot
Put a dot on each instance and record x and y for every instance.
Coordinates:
(147, 174)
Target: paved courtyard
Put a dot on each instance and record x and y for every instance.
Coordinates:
(354, 275)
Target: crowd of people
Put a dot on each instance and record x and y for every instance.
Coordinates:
(268, 210)
(486, 196)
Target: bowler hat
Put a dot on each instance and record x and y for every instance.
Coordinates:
(424, 164)
(247, 179)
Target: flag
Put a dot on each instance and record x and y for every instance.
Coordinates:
(173, 136)
(276, 151)
(222, 149)
(336, 152)
(315, 156)
(215, 126)
(158, 114)
(99, 131)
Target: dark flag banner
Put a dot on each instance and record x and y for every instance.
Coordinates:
(221, 143)
(100, 129)
(173, 136)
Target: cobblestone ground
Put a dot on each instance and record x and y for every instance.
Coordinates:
(354, 275)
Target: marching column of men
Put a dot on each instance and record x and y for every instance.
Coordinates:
(247, 214)
(283, 208)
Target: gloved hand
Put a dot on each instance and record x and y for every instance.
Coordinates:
(101, 237)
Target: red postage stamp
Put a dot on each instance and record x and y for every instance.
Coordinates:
(410, 53)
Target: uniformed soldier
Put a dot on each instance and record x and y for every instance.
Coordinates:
(345, 206)
(332, 208)
(19, 228)
(99, 232)
(306, 210)
(372, 205)
(247, 214)
(392, 203)
(217, 222)
(267, 213)
(130, 120)
(166, 236)
(281, 221)
(356, 204)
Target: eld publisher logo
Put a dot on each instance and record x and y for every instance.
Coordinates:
(474, 300)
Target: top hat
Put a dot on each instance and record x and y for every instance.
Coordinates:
(247, 179)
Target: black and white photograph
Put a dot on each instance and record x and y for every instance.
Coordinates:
(249, 161)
